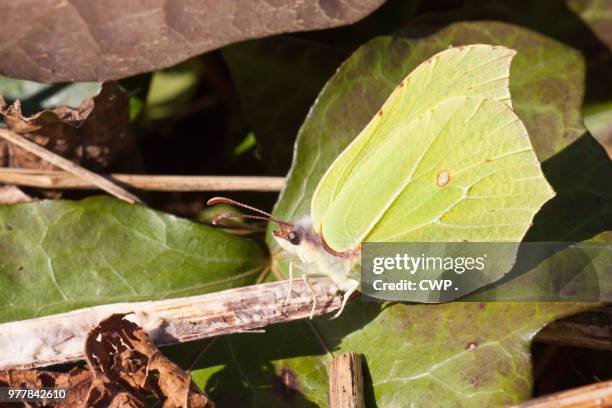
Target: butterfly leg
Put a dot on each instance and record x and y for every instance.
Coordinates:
(350, 287)
(290, 283)
(314, 296)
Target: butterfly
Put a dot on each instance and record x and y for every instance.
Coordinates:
(445, 159)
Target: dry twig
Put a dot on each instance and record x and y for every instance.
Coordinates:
(592, 329)
(69, 166)
(13, 195)
(598, 395)
(346, 382)
(60, 338)
(64, 180)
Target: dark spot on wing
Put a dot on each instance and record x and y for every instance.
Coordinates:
(476, 381)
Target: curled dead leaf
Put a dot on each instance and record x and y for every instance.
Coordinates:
(106, 394)
(95, 135)
(125, 370)
(121, 353)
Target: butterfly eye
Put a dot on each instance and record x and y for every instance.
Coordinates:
(294, 238)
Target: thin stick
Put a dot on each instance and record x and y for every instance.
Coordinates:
(592, 329)
(64, 180)
(60, 338)
(596, 395)
(69, 166)
(346, 382)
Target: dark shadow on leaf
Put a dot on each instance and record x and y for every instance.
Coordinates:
(356, 315)
(228, 388)
(262, 364)
(246, 369)
(580, 175)
(368, 389)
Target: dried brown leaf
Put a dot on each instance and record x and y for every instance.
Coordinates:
(85, 40)
(76, 382)
(125, 370)
(106, 394)
(95, 135)
(121, 352)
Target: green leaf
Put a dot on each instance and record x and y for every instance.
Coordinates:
(62, 255)
(464, 354)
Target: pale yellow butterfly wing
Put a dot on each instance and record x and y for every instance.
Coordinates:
(362, 193)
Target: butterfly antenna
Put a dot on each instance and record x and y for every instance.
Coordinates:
(217, 200)
(265, 216)
(220, 217)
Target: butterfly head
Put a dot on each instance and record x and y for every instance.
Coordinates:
(295, 237)
(289, 233)
(292, 237)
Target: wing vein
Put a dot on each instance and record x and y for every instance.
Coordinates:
(409, 178)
